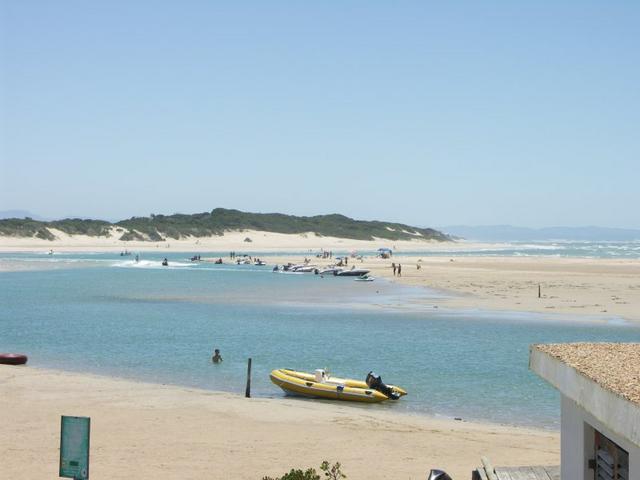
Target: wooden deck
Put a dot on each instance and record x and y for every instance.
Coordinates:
(519, 473)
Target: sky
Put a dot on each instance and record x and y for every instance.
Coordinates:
(427, 113)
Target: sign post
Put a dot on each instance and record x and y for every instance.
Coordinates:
(74, 447)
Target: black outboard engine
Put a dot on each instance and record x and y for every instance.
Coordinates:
(438, 475)
(375, 381)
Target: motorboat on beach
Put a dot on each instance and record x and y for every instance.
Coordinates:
(290, 267)
(354, 272)
(327, 271)
(303, 268)
(322, 385)
(364, 278)
(300, 268)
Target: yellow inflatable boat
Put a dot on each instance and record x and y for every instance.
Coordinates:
(321, 385)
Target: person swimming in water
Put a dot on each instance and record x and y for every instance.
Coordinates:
(165, 263)
(217, 358)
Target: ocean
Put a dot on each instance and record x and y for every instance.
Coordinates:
(104, 314)
(556, 248)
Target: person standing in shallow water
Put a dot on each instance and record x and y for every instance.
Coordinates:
(399, 270)
(393, 265)
(217, 358)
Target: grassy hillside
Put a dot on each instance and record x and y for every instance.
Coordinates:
(216, 222)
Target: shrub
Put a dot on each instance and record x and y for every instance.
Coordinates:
(45, 234)
(309, 474)
(331, 472)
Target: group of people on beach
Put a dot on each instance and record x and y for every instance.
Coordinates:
(343, 261)
(397, 270)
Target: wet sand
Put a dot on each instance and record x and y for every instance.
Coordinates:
(574, 287)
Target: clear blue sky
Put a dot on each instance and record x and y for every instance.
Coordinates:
(430, 113)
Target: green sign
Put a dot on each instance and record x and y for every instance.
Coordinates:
(74, 447)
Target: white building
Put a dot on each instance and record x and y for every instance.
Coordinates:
(599, 384)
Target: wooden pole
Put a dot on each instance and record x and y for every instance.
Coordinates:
(247, 392)
(539, 292)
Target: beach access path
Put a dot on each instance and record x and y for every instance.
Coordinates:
(159, 432)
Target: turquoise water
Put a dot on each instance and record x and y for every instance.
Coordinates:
(101, 314)
(559, 248)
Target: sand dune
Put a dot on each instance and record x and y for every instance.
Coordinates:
(231, 240)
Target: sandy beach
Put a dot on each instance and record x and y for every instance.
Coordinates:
(576, 288)
(598, 288)
(231, 240)
(165, 432)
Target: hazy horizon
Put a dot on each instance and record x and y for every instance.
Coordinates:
(461, 113)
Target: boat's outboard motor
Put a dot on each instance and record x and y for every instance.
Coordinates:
(438, 475)
(374, 381)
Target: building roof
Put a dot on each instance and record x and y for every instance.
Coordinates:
(601, 378)
(613, 366)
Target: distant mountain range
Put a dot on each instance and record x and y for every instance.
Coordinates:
(505, 233)
(157, 228)
(19, 214)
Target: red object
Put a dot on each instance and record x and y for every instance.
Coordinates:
(13, 358)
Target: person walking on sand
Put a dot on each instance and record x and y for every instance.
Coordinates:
(399, 270)
(217, 358)
(393, 265)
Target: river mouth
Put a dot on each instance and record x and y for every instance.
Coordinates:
(99, 314)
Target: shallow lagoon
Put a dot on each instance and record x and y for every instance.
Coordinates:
(104, 314)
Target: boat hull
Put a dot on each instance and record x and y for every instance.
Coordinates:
(358, 272)
(13, 359)
(304, 384)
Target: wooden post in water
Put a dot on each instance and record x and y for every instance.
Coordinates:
(247, 392)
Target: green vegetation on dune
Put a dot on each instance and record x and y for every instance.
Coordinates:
(27, 227)
(76, 226)
(161, 227)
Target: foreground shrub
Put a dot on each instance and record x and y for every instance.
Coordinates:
(331, 472)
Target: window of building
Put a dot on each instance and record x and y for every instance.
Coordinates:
(611, 461)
